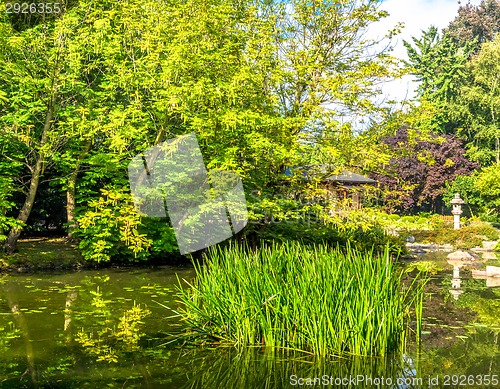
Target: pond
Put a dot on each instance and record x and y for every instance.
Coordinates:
(114, 328)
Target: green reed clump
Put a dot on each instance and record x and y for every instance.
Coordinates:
(290, 296)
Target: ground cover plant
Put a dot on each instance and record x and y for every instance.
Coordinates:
(468, 236)
(289, 296)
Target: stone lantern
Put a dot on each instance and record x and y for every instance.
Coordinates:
(457, 210)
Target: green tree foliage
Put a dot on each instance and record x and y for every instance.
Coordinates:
(6, 203)
(466, 187)
(480, 191)
(441, 68)
(110, 229)
(180, 68)
(437, 63)
(324, 58)
(479, 101)
(9, 168)
(34, 80)
(461, 86)
(330, 72)
(88, 89)
(488, 183)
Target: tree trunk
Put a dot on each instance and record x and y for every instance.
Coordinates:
(71, 192)
(15, 232)
(70, 203)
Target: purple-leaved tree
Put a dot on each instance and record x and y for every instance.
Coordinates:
(415, 177)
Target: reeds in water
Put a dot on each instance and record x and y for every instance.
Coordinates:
(289, 296)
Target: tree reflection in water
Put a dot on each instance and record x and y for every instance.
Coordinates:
(85, 330)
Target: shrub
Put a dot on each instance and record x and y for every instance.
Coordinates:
(466, 237)
(289, 296)
(482, 228)
(368, 238)
(162, 237)
(110, 229)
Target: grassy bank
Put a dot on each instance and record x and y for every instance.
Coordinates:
(45, 254)
(289, 296)
(42, 254)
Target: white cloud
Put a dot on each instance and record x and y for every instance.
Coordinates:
(417, 15)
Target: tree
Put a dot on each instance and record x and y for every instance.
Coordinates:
(415, 177)
(9, 169)
(324, 56)
(328, 73)
(438, 64)
(480, 191)
(103, 81)
(475, 24)
(180, 68)
(488, 184)
(480, 105)
(31, 63)
(466, 187)
(441, 68)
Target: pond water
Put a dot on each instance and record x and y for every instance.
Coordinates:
(114, 328)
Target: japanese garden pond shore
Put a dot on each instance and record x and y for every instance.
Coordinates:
(45, 254)
(417, 249)
(57, 254)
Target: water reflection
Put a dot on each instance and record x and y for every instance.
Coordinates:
(55, 327)
(256, 368)
(491, 274)
(456, 282)
(461, 325)
(105, 329)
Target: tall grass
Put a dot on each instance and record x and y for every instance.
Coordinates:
(290, 296)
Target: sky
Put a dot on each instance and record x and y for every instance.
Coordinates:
(416, 15)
